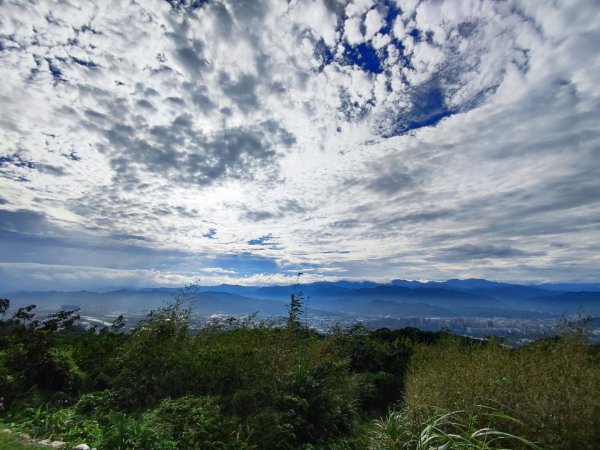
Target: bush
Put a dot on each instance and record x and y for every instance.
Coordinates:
(551, 387)
(128, 433)
(241, 384)
(196, 423)
(156, 362)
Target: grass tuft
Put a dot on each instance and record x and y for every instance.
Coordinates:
(452, 430)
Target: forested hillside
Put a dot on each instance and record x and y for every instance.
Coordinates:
(242, 384)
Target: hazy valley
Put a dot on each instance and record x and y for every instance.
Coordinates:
(471, 307)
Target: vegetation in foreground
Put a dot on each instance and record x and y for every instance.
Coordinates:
(8, 442)
(250, 385)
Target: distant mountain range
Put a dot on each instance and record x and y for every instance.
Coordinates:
(400, 298)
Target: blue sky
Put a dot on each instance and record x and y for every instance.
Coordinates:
(159, 143)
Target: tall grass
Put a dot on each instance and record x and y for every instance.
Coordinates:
(551, 387)
(457, 430)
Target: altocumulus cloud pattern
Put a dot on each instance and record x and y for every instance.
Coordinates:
(155, 142)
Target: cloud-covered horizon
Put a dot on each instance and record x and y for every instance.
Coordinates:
(163, 142)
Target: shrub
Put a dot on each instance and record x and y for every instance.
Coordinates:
(551, 387)
(128, 433)
(195, 423)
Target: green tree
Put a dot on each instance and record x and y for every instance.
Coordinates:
(4, 305)
(296, 308)
(118, 324)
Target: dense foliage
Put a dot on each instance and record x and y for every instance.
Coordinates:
(242, 384)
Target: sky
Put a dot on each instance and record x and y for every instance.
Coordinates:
(160, 143)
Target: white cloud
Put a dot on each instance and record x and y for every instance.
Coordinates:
(250, 119)
(398, 28)
(380, 41)
(373, 23)
(352, 31)
(217, 270)
(315, 15)
(407, 7)
(429, 15)
(358, 7)
(57, 277)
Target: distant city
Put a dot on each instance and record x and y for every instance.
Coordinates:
(473, 307)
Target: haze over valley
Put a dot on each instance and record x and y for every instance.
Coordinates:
(471, 307)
